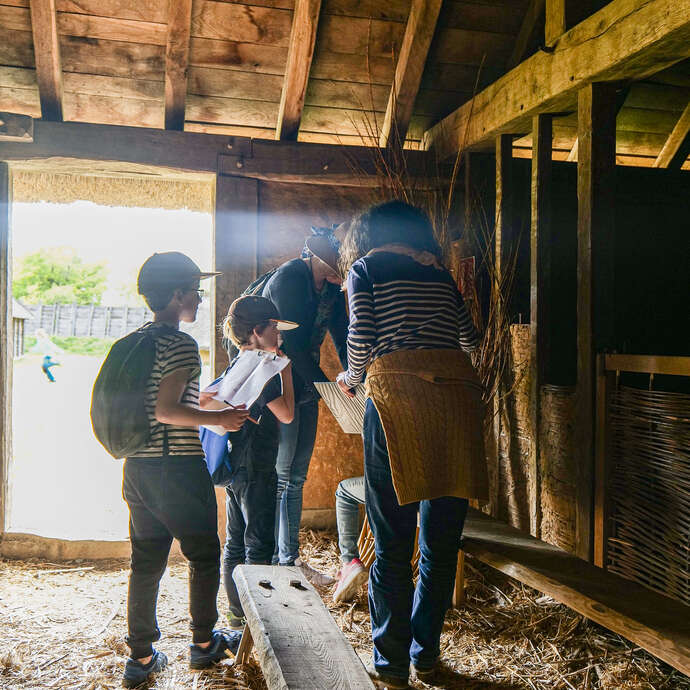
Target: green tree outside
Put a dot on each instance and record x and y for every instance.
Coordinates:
(58, 276)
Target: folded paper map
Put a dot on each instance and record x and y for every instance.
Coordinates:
(349, 412)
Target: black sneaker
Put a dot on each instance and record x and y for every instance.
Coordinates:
(222, 642)
(137, 673)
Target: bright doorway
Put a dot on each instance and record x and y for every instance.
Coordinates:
(75, 263)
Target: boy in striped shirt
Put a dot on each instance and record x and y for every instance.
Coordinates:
(167, 486)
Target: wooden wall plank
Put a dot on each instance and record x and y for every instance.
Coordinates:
(471, 47)
(540, 287)
(233, 111)
(249, 24)
(5, 341)
(48, 63)
(112, 58)
(677, 147)
(232, 55)
(300, 54)
(627, 39)
(419, 32)
(595, 232)
(141, 10)
(360, 36)
(16, 48)
(528, 31)
(392, 10)
(236, 222)
(177, 62)
(204, 81)
(126, 30)
(112, 110)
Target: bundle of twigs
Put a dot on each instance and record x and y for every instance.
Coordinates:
(434, 192)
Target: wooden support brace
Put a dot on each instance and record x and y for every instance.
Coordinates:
(244, 651)
(677, 147)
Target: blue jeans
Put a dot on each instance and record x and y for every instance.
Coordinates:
(294, 454)
(348, 497)
(406, 622)
(249, 526)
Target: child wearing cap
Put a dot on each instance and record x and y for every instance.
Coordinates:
(253, 323)
(166, 485)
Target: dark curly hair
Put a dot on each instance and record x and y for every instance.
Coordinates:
(393, 222)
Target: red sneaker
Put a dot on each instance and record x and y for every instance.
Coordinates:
(350, 578)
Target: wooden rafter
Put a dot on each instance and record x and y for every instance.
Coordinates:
(528, 28)
(419, 32)
(626, 39)
(47, 53)
(677, 147)
(305, 21)
(554, 21)
(177, 61)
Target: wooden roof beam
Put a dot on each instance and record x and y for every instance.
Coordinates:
(177, 62)
(626, 39)
(305, 20)
(47, 54)
(677, 147)
(528, 28)
(419, 32)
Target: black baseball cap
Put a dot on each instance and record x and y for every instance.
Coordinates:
(169, 269)
(251, 310)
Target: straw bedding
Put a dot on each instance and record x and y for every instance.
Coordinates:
(63, 627)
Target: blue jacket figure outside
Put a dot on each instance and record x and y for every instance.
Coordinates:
(47, 364)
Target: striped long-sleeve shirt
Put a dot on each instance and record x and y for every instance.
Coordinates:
(397, 303)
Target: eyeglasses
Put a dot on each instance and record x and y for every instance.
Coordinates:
(200, 293)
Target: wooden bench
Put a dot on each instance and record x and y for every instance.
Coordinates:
(656, 623)
(299, 644)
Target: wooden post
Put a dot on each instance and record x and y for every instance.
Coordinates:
(540, 272)
(73, 329)
(505, 241)
(595, 307)
(236, 229)
(606, 380)
(5, 340)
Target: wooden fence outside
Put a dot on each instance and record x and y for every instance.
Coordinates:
(84, 320)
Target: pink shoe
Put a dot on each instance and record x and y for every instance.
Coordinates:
(350, 578)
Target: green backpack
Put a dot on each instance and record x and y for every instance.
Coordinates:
(118, 401)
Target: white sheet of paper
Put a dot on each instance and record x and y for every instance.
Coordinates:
(243, 384)
(348, 412)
